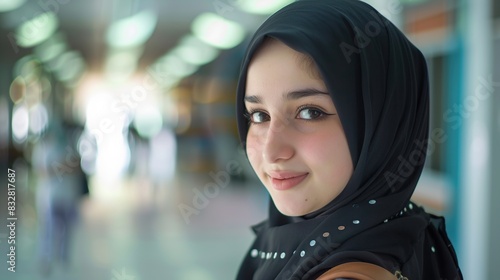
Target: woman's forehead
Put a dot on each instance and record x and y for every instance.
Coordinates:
(304, 61)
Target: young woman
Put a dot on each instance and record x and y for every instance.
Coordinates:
(333, 111)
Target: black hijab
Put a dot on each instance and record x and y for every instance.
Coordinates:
(378, 82)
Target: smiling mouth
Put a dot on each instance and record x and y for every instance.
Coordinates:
(283, 181)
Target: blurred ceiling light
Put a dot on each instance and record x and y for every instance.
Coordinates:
(62, 60)
(17, 89)
(36, 30)
(33, 92)
(46, 88)
(262, 7)
(217, 31)
(68, 67)
(51, 48)
(174, 65)
(72, 69)
(132, 31)
(121, 64)
(194, 51)
(28, 66)
(39, 119)
(148, 121)
(163, 76)
(9, 5)
(20, 123)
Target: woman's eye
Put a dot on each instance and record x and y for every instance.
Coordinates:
(258, 117)
(310, 114)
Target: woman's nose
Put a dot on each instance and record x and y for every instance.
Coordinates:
(278, 143)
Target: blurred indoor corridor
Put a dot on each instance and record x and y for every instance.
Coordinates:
(140, 235)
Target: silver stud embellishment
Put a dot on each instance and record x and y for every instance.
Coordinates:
(400, 276)
(302, 253)
(373, 201)
(356, 222)
(312, 243)
(254, 253)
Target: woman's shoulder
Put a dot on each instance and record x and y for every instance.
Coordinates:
(357, 271)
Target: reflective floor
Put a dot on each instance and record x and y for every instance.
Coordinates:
(131, 231)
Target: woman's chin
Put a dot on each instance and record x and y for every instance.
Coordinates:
(294, 210)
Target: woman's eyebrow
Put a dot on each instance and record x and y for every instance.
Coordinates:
(301, 93)
(253, 99)
(291, 95)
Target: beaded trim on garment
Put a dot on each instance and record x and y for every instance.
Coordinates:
(400, 276)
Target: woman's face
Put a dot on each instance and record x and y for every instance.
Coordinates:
(295, 142)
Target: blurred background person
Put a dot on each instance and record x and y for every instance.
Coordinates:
(59, 188)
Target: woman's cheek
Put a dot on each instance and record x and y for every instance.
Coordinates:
(253, 147)
(323, 147)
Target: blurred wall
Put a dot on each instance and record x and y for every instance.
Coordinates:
(494, 220)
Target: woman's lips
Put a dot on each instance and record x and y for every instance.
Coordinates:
(286, 180)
